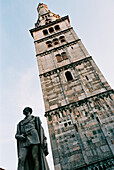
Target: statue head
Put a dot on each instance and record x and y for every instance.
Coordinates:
(27, 110)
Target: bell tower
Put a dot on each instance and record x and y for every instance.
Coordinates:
(78, 100)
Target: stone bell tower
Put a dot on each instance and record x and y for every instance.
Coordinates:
(78, 100)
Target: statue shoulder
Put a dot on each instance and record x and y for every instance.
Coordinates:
(37, 118)
(21, 122)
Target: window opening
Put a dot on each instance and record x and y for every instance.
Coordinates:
(69, 76)
(76, 127)
(51, 30)
(104, 166)
(58, 57)
(101, 168)
(49, 44)
(87, 78)
(47, 19)
(57, 27)
(64, 56)
(65, 124)
(69, 123)
(58, 115)
(55, 41)
(63, 114)
(96, 168)
(62, 39)
(94, 132)
(49, 117)
(98, 119)
(92, 116)
(45, 32)
(86, 114)
(89, 142)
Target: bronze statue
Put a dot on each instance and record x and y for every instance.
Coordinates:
(31, 143)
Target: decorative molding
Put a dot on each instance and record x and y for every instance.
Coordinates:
(45, 13)
(79, 103)
(65, 67)
(104, 164)
(58, 48)
(50, 24)
(53, 35)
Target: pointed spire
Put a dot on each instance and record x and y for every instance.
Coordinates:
(45, 16)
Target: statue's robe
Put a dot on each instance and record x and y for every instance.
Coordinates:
(43, 150)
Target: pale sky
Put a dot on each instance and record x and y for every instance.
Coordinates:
(93, 21)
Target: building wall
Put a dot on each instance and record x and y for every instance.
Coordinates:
(86, 82)
(88, 138)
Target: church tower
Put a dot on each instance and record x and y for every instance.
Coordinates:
(78, 100)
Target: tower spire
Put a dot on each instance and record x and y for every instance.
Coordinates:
(45, 16)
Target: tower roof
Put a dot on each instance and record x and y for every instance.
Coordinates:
(45, 16)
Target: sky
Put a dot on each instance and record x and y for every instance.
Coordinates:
(19, 75)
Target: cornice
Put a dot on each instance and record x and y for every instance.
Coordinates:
(57, 48)
(47, 25)
(45, 13)
(53, 35)
(65, 67)
(80, 102)
(98, 164)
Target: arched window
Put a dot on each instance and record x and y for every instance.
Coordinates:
(62, 39)
(55, 41)
(58, 57)
(51, 29)
(68, 76)
(49, 44)
(57, 27)
(64, 56)
(45, 32)
(65, 124)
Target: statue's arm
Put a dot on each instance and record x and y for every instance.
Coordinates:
(18, 135)
(45, 147)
